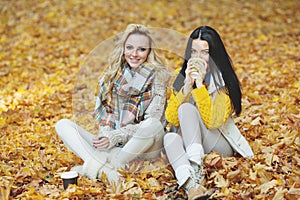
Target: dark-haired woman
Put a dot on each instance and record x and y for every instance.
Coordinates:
(206, 93)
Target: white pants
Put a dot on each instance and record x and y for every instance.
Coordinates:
(146, 143)
(196, 139)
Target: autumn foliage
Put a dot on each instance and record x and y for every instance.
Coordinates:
(43, 45)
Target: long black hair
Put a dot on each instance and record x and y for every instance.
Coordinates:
(219, 60)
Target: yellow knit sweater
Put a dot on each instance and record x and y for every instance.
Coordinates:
(213, 112)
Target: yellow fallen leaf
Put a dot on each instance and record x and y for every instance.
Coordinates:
(267, 186)
(294, 191)
(220, 181)
(256, 121)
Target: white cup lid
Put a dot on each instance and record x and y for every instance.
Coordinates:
(70, 174)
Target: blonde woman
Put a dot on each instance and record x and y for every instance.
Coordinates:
(129, 109)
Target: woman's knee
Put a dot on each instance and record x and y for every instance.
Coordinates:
(186, 107)
(149, 122)
(151, 127)
(61, 125)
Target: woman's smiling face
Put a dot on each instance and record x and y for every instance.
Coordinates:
(137, 49)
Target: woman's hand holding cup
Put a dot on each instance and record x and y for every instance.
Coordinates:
(196, 70)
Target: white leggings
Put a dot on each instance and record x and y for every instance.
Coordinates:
(146, 143)
(195, 138)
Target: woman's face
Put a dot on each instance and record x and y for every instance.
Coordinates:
(200, 49)
(136, 50)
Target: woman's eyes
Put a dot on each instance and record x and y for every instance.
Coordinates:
(139, 48)
(205, 52)
(129, 47)
(202, 52)
(142, 49)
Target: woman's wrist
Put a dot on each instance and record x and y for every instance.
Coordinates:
(187, 88)
(199, 83)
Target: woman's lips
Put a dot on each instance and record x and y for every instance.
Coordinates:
(134, 60)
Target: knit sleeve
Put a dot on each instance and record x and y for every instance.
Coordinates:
(171, 111)
(157, 105)
(173, 105)
(116, 137)
(214, 112)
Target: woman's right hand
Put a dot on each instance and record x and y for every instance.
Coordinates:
(189, 81)
(100, 142)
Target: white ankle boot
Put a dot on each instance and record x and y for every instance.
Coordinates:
(195, 153)
(183, 175)
(93, 169)
(191, 180)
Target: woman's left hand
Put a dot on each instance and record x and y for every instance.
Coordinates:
(199, 79)
(100, 142)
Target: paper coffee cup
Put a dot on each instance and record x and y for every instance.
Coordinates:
(198, 63)
(194, 75)
(69, 178)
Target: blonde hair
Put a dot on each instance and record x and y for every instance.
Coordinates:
(117, 58)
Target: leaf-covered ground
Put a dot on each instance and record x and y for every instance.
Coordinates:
(42, 48)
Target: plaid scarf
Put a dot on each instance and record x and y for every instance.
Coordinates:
(134, 92)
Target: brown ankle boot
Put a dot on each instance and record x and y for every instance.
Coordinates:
(200, 193)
